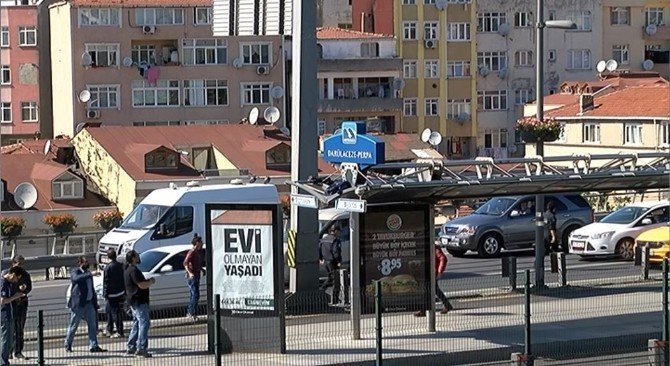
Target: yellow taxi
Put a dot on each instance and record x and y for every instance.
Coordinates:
(658, 241)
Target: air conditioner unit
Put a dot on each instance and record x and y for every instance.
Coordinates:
(149, 29)
(262, 70)
(429, 43)
(93, 114)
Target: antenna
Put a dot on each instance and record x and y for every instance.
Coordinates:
(435, 138)
(237, 63)
(425, 135)
(253, 116)
(285, 131)
(648, 65)
(601, 66)
(25, 195)
(127, 62)
(611, 65)
(84, 96)
(277, 92)
(271, 114)
(47, 147)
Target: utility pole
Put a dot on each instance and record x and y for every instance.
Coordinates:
(539, 145)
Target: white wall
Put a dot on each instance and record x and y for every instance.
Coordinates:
(338, 49)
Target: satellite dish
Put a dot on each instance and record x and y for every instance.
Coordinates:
(425, 135)
(398, 83)
(25, 195)
(441, 4)
(483, 70)
(463, 116)
(285, 131)
(86, 59)
(277, 92)
(80, 126)
(271, 114)
(611, 65)
(47, 147)
(503, 29)
(648, 65)
(237, 63)
(435, 138)
(127, 62)
(601, 66)
(253, 116)
(84, 96)
(502, 73)
(651, 29)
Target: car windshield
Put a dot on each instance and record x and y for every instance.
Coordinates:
(144, 217)
(625, 215)
(149, 260)
(495, 206)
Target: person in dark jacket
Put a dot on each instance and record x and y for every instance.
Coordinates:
(114, 291)
(330, 255)
(550, 223)
(24, 285)
(440, 266)
(7, 298)
(83, 304)
(193, 266)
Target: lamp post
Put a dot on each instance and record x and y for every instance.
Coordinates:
(539, 145)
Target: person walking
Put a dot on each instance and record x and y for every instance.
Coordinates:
(330, 255)
(7, 299)
(137, 292)
(440, 266)
(114, 291)
(193, 266)
(23, 285)
(550, 224)
(83, 304)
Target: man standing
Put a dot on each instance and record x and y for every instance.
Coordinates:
(550, 223)
(7, 297)
(440, 267)
(193, 266)
(24, 285)
(114, 291)
(83, 304)
(137, 292)
(330, 254)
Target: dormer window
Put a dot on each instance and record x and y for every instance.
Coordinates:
(279, 157)
(67, 187)
(161, 158)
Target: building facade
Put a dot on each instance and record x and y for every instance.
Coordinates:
(121, 63)
(19, 71)
(372, 16)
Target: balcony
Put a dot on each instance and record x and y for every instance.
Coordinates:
(659, 57)
(360, 64)
(360, 105)
(662, 33)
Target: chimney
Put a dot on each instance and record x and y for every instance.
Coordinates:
(585, 103)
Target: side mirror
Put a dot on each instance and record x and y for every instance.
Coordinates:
(515, 213)
(166, 268)
(646, 221)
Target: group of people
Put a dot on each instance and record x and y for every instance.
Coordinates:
(15, 285)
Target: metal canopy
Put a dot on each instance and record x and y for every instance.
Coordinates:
(436, 180)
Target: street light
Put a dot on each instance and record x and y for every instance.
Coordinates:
(539, 145)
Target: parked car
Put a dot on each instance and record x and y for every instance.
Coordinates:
(501, 223)
(658, 241)
(615, 233)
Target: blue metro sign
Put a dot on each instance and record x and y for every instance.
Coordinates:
(352, 145)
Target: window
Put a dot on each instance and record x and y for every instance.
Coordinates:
(103, 96)
(27, 36)
(523, 58)
(431, 68)
(457, 107)
(256, 93)
(523, 19)
(29, 111)
(664, 133)
(71, 189)
(494, 61)
(409, 30)
(458, 69)
(103, 54)
(143, 53)
(4, 37)
(492, 100)
(579, 59)
(409, 107)
(408, 2)
(503, 137)
(654, 16)
(581, 18)
(201, 93)
(591, 132)
(430, 30)
(495, 138)
(619, 15)
(523, 96)
(159, 16)
(206, 122)
(409, 69)
(620, 53)
(429, 2)
(370, 49)
(430, 107)
(256, 54)
(458, 32)
(321, 127)
(202, 16)
(6, 115)
(176, 262)
(99, 17)
(489, 22)
(157, 123)
(6, 75)
(205, 51)
(178, 221)
(165, 93)
(632, 133)
(551, 57)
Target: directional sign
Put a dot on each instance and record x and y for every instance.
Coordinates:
(304, 200)
(350, 205)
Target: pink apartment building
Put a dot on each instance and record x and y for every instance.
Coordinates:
(151, 62)
(19, 87)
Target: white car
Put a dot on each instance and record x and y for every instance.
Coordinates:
(165, 264)
(615, 233)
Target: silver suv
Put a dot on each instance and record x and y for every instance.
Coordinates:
(509, 223)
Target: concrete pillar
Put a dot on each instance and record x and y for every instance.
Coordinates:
(331, 88)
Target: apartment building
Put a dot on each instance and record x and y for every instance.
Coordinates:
(145, 62)
(372, 16)
(636, 34)
(19, 72)
(506, 66)
(437, 44)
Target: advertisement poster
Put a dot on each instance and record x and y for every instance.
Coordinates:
(242, 252)
(395, 250)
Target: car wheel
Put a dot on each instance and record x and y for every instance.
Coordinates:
(489, 245)
(457, 253)
(624, 249)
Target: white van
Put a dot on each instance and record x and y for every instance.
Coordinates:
(170, 216)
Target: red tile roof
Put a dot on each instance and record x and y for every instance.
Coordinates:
(34, 147)
(339, 33)
(139, 3)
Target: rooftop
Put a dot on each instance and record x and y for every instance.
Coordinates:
(139, 3)
(339, 33)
